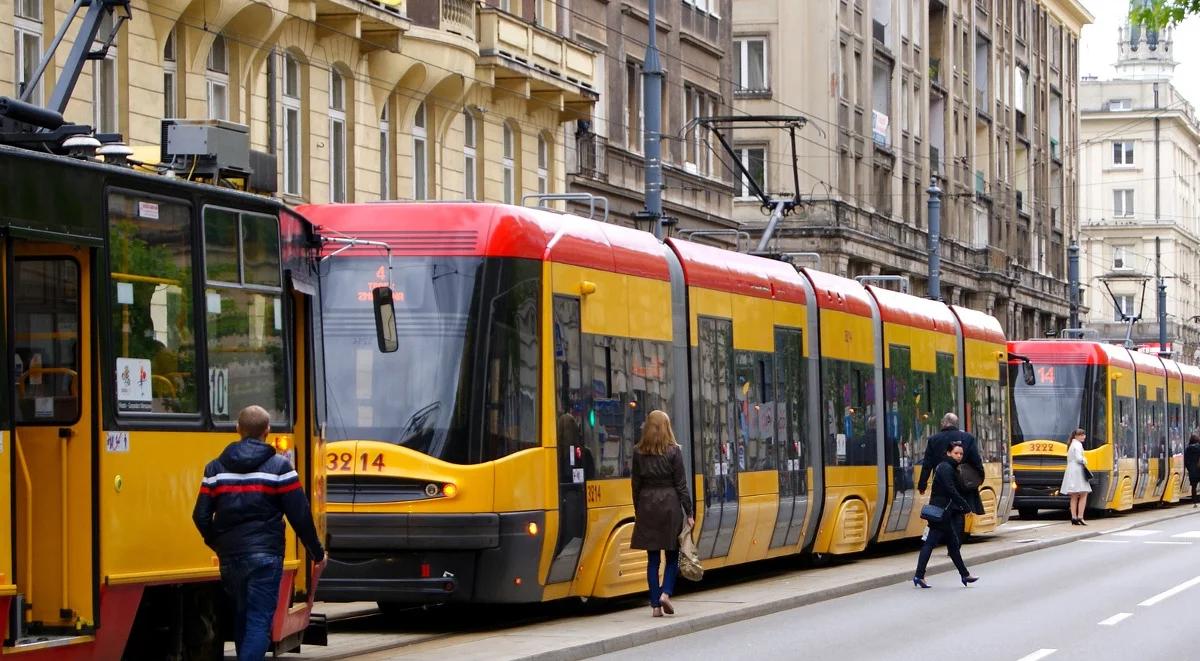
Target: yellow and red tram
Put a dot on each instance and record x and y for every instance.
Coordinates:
(1136, 408)
(140, 313)
(489, 458)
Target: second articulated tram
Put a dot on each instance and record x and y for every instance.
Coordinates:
(1136, 408)
(488, 459)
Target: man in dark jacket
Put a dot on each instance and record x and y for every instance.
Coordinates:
(1191, 461)
(935, 452)
(239, 512)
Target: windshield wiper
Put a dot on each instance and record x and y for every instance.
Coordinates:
(418, 422)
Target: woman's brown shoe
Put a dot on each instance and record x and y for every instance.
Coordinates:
(665, 600)
(655, 611)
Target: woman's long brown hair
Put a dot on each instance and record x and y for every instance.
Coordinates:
(657, 436)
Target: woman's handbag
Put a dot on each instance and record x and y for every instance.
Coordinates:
(932, 513)
(968, 478)
(689, 558)
(1087, 474)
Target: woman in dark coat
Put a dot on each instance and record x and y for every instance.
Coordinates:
(946, 495)
(1191, 459)
(660, 500)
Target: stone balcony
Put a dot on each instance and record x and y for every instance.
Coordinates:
(535, 63)
(456, 16)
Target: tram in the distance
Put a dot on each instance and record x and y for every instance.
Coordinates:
(488, 459)
(1136, 408)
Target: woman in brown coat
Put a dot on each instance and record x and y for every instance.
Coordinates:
(660, 500)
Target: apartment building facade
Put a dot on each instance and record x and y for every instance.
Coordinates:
(352, 100)
(1140, 180)
(980, 95)
(607, 158)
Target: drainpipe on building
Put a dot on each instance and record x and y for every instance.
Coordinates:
(935, 240)
(652, 80)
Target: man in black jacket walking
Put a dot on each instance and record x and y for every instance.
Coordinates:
(935, 452)
(239, 513)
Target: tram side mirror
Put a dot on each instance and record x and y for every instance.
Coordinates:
(385, 319)
(1027, 372)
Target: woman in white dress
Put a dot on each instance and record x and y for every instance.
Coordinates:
(1074, 482)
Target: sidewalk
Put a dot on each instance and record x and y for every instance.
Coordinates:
(580, 637)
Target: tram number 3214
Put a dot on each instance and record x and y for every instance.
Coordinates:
(344, 462)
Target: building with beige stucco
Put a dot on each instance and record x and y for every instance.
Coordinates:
(345, 100)
(979, 94)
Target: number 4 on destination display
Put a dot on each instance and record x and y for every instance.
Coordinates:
(342, 461)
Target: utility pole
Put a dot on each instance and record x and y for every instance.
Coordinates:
(1162, 298)
(935, 240)
(1073, 278)
(652, 80)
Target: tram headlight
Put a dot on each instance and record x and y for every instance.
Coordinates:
(532, 529)
(450, 490)
(431, 490)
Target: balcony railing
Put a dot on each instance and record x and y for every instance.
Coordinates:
(533, 52)
(592, 156)
(457, 16)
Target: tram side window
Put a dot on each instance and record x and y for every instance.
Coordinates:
(46, 340)
(650, 387)
(1097, 436)
(571, 401)
(150, 266)
(243, 302)
(513, 365)
(1123, 425)
(788, 396)
(1174, 428)
(714, 405)
(753, 390)
(944, 396)
(849, 421)
(610, 439)
(899, 439)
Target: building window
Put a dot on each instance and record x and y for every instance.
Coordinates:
(385, 153)
(1120, 104)
(1123, 153)
(1124, 307)
(709, 6)
(420, 155)
(508, 162)
(506, 5)
(170, 68)
(754, 159)
(543, 168)
(292, 128)
(217, 77)
(750, 65)
(1121, 258)
(28, 23)
(337, 136)
(1123, 202)
(635, 110)
(104, 84)
(470, 158)
(698, 103)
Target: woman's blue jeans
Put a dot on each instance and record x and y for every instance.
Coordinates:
(668, 581)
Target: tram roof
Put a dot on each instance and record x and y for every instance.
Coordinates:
(838, 293)
(1148, 363)
(1073, 352)
(738, 273)
(495, 230)
(978, 325)
(898, 308)
(1191, 373)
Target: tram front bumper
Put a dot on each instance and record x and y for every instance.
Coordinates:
(1039, 489)
(467, 557)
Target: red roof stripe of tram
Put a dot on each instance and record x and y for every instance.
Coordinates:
(914, 312)
(1069, 352)
(838, 293)
(979, 326)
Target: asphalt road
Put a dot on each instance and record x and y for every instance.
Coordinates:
(1127, 595)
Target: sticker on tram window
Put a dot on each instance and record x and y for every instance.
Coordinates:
(148, 210)
(133, 385)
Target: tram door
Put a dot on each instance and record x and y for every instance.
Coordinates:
(1159, 450)
(54, 435)
(715, 424)
(576, 465)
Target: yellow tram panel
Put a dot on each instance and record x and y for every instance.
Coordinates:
(753, 323)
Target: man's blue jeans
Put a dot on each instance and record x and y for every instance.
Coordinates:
(252, 582)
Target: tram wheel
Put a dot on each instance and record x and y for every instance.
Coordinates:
(1027, 513)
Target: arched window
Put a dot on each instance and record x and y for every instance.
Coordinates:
(170, 70)
(470, 155)
(29, 27)
(338, 169)
(217, 77)
(293, 145)
(543, 166)
(420, 154)
(508, 162)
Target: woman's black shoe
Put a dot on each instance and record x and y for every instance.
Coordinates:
(1076, 522)
(1082, 522)
(967, 580)
(920, 583)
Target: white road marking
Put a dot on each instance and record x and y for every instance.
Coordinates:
(1112, 621)
(1171, 593)
(1194, 534)
(1135, 533)
(1105, 541)
(1026, 526)
(1160, 542)
(1040, 654)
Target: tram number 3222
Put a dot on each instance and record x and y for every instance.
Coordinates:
(344, 462)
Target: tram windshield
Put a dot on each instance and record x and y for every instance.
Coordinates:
(1063, 398)
(463, 385)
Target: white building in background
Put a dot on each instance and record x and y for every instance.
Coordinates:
(1140, 179)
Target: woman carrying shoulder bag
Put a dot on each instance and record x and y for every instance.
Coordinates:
(660, 500)
(947, 498)
(1075, 478)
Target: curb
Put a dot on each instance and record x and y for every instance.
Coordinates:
(673, 629)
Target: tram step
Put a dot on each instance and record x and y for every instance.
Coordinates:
(34, 643)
